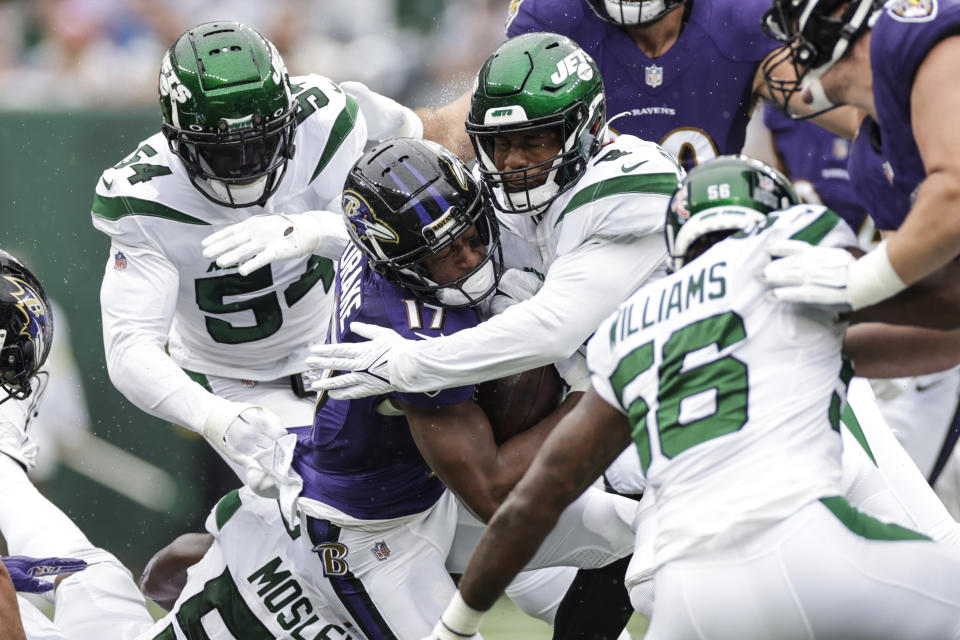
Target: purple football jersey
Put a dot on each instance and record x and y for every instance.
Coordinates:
(695, 98)
(819, 157)
(870, 175)
(358, 460)
(901, 38)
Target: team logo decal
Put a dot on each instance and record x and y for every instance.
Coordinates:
(575, 63)
(364, 222)
(34, 313)
(170, 84)
(912, 10)
(334, 558)
(381, 550)
(653, 75)
(119, 261)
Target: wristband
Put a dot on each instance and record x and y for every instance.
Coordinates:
(872, 278)
(460, 618)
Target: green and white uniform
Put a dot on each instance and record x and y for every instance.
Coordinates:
(251, 585)
(735, 405)
(157, 287)
(593, 245)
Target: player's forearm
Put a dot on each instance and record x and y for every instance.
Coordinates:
(929, 237)
(578, 294)
(888, 351)
(446, 125)
(148, 378)
(12, 628)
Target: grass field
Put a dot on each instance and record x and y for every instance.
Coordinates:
(506, 622)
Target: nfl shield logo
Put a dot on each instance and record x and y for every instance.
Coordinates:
(653, 75)
(119, 261)
(381, 550)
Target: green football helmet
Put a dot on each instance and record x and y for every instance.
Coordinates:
(536, 81)
(719, 197)
(228, 112)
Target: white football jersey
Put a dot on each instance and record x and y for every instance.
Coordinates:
(734, 400)
(258, 580)
(258, 326)
(623, 192)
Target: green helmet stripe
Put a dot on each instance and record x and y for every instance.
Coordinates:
(122, 206)
(342, 127)
(651, 183)
(817, 230)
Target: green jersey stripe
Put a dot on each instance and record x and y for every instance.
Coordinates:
(341, 128)
(849, 419)
(651, 183)
(817, 230)
(227, 506)
(866, 526)
(121, 206)
(199, 378)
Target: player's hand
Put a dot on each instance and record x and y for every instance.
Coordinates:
(806, 274)
(27, 572)
(367, 364)
(260, 240)
(386, 118)
(248, 435)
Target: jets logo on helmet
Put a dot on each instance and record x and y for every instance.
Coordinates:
(364, 220)
(575, 63)
(170, 84)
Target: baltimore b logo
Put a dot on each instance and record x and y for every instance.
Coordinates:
(365, 223)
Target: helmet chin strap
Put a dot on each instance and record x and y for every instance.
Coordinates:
(474, 286)
(239, 193)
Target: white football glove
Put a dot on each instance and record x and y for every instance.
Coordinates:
(367, 363)
(386, 118)
(829, 277)
(248, 435)
(260, 240)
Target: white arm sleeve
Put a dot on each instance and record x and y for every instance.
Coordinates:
(137, 306)
(581, 289)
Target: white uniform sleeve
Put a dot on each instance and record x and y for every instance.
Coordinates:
(580, 290)
(137, 306)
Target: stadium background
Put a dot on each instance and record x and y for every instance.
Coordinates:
(77, 94)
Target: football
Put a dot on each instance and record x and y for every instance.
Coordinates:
(515, 403)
